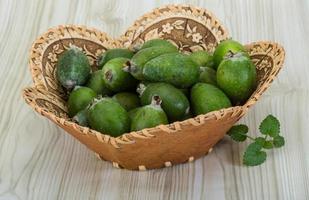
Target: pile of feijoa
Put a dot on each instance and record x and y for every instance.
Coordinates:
(154, 85)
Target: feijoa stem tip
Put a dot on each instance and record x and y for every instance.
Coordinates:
(109, 75)
(74, 47)
(141, 88)
(129, 67)
(230, 54)
(136, 47)
(156, 100)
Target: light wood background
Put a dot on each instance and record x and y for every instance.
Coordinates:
(40, 161)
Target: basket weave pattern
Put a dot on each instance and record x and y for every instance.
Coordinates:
(190, 29)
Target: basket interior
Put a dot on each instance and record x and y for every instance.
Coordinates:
(263, 55)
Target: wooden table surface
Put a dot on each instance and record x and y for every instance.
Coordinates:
(38, 160)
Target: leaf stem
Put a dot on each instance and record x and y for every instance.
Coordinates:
(251, 138)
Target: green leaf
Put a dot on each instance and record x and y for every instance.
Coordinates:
(268, 144)
(260, 140)
(253, 155)
(270, 126)
(278, 141)
(238, 132)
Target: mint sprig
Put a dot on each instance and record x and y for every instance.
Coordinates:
(254, 154)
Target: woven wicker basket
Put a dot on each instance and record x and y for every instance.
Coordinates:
(189, 28)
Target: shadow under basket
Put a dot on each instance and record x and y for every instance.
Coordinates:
(189, 28)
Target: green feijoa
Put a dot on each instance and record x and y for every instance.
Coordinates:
(187, 116)
(236, 76)
(206, 98)
(79, 99)
(174, 102)
(174, 68)
(81, 117)
(73, 68)
(158, 42)
(109, 117)
(97, 84)
(114, 53)
(132, 112)
(127, 100)
(203, 59)
(208, 75)
(115, 78)
(225, 47)
(149, 116)
(137, 62)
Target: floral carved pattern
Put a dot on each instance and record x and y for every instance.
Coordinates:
(266, 56)
(264, 65)
(188, 35)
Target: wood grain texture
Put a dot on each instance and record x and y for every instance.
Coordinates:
(40, 161)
